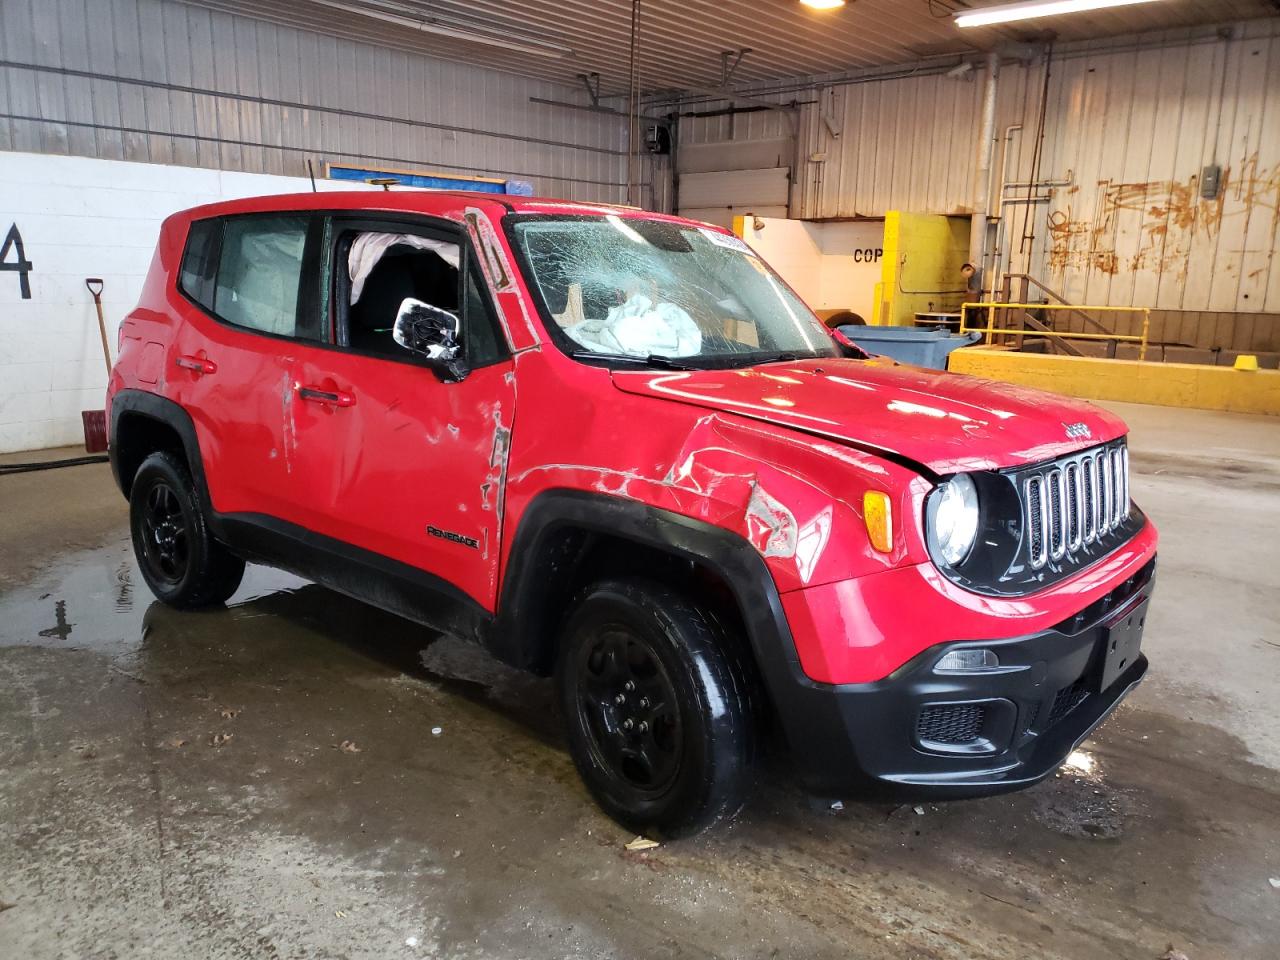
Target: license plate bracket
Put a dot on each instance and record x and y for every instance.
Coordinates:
(1122, 643)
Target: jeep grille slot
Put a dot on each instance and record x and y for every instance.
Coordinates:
(1074, 502)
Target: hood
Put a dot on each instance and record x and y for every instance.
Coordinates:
(943, 421)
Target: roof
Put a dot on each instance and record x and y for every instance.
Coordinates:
(449, 203)
(681, 40)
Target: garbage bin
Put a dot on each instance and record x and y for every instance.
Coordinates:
(915, 345)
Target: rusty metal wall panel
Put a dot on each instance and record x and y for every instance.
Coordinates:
(215, 89)
(1135, 129)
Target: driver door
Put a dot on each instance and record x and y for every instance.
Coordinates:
(391, 459)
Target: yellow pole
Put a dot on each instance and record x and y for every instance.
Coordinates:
(1146, 330)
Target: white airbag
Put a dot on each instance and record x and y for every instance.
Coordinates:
(639, 328)
(367, 249)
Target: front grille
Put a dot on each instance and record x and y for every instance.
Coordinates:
(953, 724)
(1074, 502)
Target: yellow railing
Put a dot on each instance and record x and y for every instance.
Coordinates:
(992, 306)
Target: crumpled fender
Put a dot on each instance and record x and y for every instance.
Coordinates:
(797, 500)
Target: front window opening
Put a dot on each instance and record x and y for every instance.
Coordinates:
(635, 287)
(385, 270)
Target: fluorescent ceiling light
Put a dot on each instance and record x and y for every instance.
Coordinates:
(415, 21)
(822, 4)
(1007, 12)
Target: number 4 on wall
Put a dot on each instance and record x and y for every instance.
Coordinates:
(13, 241)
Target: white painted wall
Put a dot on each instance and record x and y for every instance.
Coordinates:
(832, 266)
(81, 217)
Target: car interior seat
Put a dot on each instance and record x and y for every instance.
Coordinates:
(402, 272)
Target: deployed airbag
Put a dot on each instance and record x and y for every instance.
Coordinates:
(639, 328)
(367, 249)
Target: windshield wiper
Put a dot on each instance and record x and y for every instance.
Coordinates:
(652, 360)
(785, 356)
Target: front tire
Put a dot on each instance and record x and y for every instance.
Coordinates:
(658, 709)
(179, 559)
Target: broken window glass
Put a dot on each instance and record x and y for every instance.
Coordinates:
(638, 287)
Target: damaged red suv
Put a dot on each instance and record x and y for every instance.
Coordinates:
(614, 447)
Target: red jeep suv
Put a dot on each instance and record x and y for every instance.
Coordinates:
(614, 447)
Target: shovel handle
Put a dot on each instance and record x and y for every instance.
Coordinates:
(95, 287)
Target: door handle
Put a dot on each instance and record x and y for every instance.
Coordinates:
(334, 398)
(198, 365)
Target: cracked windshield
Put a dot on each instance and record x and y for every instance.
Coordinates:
(653, 291)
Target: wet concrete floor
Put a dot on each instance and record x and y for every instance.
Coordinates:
(264, 780)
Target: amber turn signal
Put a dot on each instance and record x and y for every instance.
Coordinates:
(877, 513)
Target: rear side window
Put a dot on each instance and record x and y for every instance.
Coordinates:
(199, 262)
(259, 274)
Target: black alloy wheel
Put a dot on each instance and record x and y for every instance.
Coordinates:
(164, 535)
(627, 703)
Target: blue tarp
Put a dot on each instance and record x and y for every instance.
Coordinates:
(519, 188)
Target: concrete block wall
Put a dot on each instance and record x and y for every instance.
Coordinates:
(81, 217)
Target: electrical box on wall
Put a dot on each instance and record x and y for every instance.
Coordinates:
(1210, 181)
(657, 139)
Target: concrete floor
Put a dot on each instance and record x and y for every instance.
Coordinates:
(175, 784)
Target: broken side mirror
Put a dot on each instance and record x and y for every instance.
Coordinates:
(432, 333)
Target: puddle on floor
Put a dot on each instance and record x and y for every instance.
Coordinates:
(97, 600)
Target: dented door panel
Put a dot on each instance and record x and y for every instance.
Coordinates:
(412, 469)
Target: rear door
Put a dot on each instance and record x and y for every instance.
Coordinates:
(245, 306)
(391, 459)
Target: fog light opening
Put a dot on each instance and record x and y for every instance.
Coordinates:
(971, 660)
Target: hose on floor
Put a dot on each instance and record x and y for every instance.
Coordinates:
(50, 464)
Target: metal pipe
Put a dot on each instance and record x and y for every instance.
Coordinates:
(1024, 184)
(982, 175)
(1009, 131)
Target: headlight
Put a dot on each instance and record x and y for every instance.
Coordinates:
(954, 519)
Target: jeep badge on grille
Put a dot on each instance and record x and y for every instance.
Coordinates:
(1078, 431)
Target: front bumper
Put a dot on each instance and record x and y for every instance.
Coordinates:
(918, 733)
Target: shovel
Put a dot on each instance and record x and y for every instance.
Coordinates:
(95, 421)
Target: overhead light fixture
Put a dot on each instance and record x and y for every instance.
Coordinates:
(415, 21)
(822, 4)
(1008, 12)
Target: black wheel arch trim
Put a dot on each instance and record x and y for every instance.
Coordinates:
(168, 413)
(798, 702)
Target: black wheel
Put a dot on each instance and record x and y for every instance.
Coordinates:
(182, 564)
(658, 708)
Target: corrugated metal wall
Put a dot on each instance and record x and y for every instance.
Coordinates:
(1135, 129)
(159, 81)
(1132, 121)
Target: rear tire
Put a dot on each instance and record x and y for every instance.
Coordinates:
(179, 559)
(658, 709)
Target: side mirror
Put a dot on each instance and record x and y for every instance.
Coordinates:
(432, 333)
